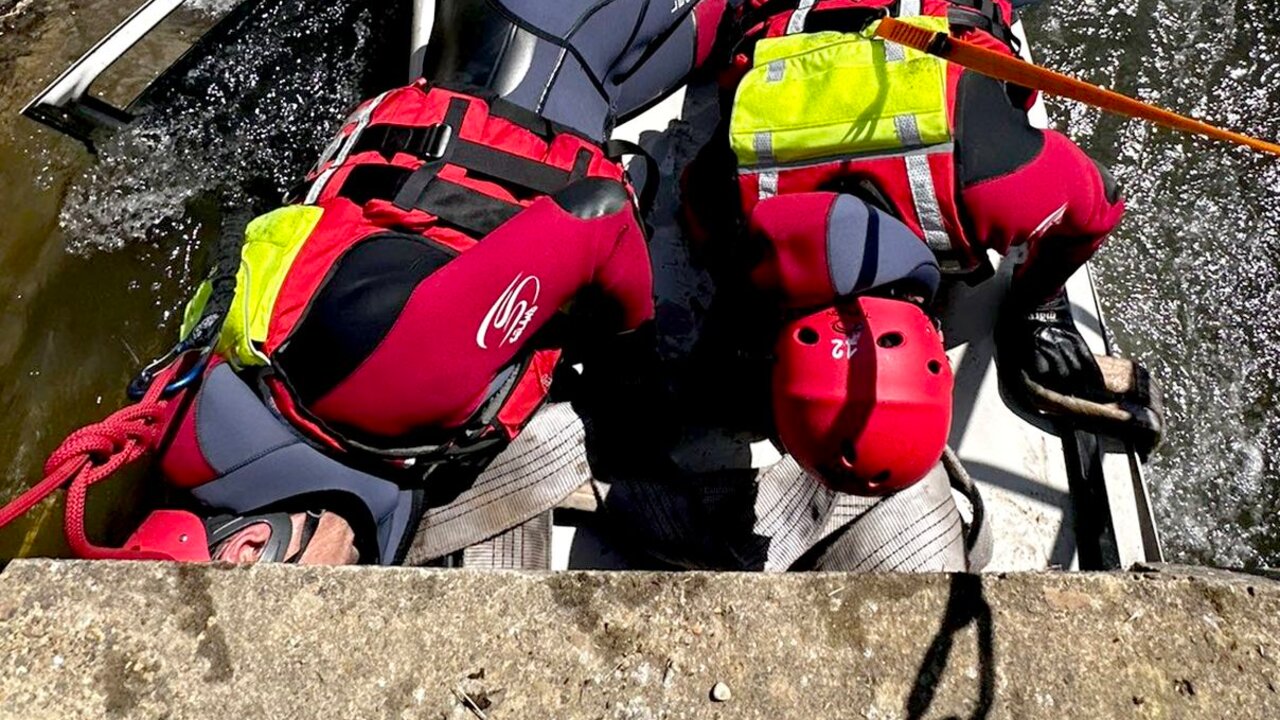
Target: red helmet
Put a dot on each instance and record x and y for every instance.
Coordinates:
(862, 395)
(179, 534)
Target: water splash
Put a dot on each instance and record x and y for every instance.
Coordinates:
(248, 118)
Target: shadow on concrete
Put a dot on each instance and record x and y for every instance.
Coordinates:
(966, 605)
(1064, 549)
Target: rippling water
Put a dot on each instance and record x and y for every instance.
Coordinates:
(249, 116)
(1190, 281)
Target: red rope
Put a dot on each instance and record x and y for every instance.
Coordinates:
(92, 454)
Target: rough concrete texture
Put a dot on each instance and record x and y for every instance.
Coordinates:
(147, 640)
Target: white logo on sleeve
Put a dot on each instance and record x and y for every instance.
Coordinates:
(1047, 224)
(511, 312)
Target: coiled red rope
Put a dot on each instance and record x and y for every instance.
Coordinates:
(92, 454)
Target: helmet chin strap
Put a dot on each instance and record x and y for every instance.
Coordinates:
(222, 528)
(309, 525)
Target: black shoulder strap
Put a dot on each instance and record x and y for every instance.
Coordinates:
(983, 15)
(458, 206)
(648, 192)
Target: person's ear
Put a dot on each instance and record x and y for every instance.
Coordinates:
(246, 546)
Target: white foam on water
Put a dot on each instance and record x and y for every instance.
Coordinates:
(254, 112)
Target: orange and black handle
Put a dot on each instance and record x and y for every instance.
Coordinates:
(1020, 72)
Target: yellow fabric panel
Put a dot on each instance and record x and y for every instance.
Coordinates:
(272, 241)
(836, 95)
(195, 306)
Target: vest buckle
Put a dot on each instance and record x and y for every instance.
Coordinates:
(433, 142)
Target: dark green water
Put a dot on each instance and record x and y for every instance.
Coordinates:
(97, 256)
(1191, 282)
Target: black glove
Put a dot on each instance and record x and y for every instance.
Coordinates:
(1045, 345)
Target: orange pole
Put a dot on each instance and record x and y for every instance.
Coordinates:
(1020, 72)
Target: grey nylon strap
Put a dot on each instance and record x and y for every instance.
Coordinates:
(546, 463)
(908, 8)
(917, 529)
(500, 520)
(524, 547)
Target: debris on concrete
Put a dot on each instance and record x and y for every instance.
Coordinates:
(720, 692)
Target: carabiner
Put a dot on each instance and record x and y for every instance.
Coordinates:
(141, 382)
(193, 373)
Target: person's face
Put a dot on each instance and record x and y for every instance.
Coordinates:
(333, 542)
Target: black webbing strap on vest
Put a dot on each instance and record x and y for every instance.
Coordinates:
(406, 197)
(441, 144)
(983, 15)
(456, 205)
(618, 149)
(433, 141)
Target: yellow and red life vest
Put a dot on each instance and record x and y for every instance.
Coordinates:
(446, 165)
(823, 105)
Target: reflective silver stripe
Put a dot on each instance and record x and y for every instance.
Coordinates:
(925, 197)
(873, 155)
(908, 131)
(361, 117)
(777, 69)
(893, 52)
(796, 23)
(318, 185)
(763, 145)
(908, 8)
(768, 184)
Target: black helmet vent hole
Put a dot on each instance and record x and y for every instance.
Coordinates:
(935, 367)
(848, 455)
(890, 340)
(880, 478)
(808, 336)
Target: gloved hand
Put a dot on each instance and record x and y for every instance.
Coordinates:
(1044, 360)
(1045, 344)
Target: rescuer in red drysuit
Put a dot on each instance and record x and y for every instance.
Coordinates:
(1003, 185)
(409, 310)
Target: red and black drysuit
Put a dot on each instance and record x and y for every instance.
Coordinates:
(421, 320)
(1007, 184)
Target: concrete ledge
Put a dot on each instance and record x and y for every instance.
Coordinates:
(147, 640)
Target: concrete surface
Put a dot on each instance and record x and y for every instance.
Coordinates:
(147, 640)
